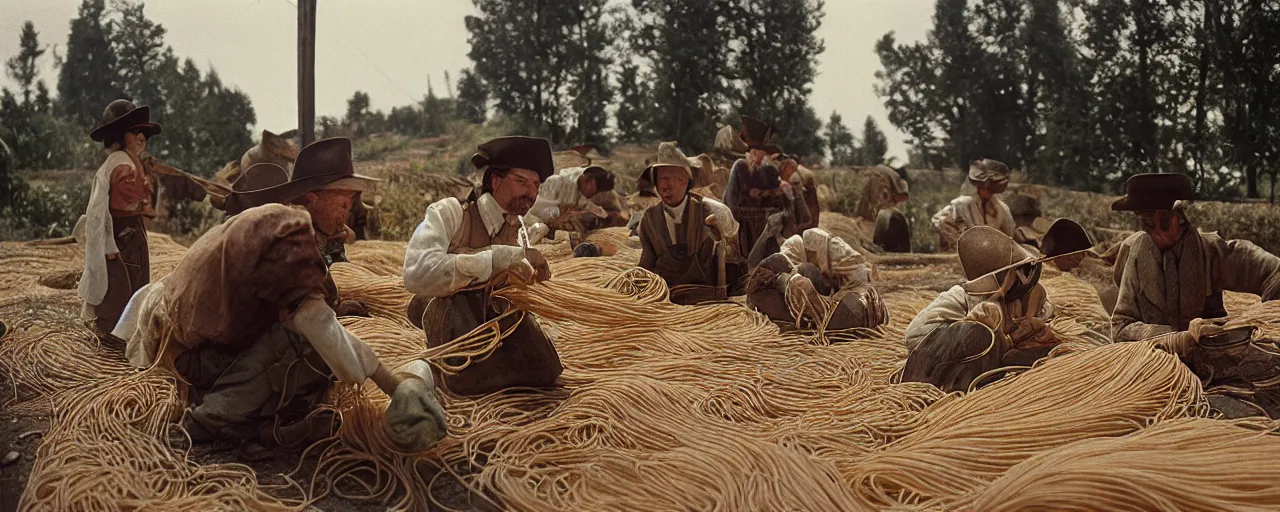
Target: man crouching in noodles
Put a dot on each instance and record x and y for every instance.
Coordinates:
(463, 250)
(810, 267)
(1171, 288)
(1000, 317)
(244, 323)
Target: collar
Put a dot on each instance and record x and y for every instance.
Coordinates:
(676, 212)
(491, 213)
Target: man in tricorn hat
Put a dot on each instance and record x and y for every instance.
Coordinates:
(116, 262)
(463, 250)
(999, 317)
(1172, 285)
(755, 188)
(809, 267)
(686, 239)
(566, 199)
(990, 177)
(244, 322)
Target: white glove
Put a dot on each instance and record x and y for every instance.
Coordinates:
(537, 232)
(415, 420)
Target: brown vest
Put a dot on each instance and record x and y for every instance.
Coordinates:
(473, 236)
(695, 262)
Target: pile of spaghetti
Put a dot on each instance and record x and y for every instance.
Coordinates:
(660, 407)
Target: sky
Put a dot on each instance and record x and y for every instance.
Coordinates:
(391, 49)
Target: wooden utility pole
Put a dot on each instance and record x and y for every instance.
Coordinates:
(307, 70)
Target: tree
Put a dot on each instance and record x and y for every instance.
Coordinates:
(536, 58)
(473, 98)
(590, 87)
(22, 67)
(87, 80)
(633, 112)
(436, 113)
(874, 144)
(138, 44)
(841, 146)
(777, 65)
(686, 45)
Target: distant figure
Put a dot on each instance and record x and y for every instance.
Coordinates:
(756, 190)
(565, 200)
(116, 261)
(990, 177)
(685, 240)
(885, 190)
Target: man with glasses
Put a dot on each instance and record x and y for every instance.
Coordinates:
(998, 318)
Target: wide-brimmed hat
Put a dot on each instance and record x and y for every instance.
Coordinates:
(324, 164)
(987, 170)
(516, 152)
(669, 155)
(1154, 191)
(121, 116)
(986, 253)
(756, 134)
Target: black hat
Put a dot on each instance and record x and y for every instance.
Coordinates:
(1154, 191)
(516, 152)
(322, 164)
(757, 134)
(121, 116)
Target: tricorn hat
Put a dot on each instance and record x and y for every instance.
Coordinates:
(121, 116)
(1154, 191)
(669, 155)
(323, 164)
(516, 152)
(757, 134)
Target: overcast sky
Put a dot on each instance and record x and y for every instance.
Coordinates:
(391, 48)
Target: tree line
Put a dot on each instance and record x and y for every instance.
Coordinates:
(117, 52)
(1084, 93)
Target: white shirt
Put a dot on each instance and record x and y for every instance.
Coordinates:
(832, 254)
(431, 271)
(969, 211)
(560, 189)
(725, 222)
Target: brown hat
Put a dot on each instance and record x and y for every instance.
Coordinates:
(1154, 191)
(987, 170)
(757, 134)
(669, 155)
(121, 116)
(986, 252)
(324, 164)
(516, 152)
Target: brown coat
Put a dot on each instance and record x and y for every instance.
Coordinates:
(690, 260)
(1206, 264)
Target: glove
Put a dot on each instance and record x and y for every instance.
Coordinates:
(415, 420)
(1182, 343)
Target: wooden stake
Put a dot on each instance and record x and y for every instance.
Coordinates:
(306, 70)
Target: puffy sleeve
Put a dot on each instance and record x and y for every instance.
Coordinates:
(347, 355)
(129, 185)
(725, 222)
(430, 270)
(1247, 268)
(550, 196)
(950, 307)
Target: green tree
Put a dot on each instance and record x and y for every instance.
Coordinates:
(687, 46)
(437, 113)
(841, 145)
(777, 65)
(874, 144)
(138, 44)
(634, 93)
(590, 86)
(473, 98)
(22, 67)
(87, 80)
(1059, 103)
(530, 55)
